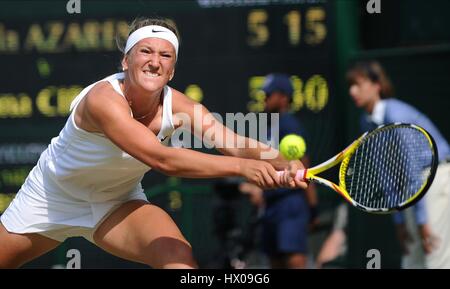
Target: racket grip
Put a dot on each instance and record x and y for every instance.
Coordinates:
(300, 174)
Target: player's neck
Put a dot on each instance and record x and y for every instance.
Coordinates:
(142, 104)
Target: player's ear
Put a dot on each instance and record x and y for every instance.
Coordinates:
(125, 63)
(172, 74)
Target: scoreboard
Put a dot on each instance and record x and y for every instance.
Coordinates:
(227, 47)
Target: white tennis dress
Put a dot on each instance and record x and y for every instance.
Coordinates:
(79, 179)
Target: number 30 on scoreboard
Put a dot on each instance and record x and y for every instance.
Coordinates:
(312, 95)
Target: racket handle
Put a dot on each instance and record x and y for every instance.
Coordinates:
(300, 174)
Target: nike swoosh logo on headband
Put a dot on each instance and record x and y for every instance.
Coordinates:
(156, 31)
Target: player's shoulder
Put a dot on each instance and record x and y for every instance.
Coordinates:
(178, 96)
(102, 87)
(102, 95)
(103, 91)
(181, 102)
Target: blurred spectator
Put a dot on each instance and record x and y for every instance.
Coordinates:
(371, 90)
(287, 213)
(333, 252)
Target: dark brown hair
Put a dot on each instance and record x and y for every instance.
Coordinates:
(373, 71)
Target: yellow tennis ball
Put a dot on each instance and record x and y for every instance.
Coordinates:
(292, 147)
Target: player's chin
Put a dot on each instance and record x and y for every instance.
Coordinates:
(153, 84)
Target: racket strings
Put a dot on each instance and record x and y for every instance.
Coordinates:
(389, 167)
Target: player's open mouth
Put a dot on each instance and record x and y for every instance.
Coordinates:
(151, 74)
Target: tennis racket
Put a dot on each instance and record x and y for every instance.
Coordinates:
(387, 169)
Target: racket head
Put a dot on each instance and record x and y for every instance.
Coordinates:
(389, 168)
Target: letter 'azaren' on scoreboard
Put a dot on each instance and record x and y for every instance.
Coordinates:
(59, 37)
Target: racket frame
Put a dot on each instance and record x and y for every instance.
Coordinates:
(344, 158)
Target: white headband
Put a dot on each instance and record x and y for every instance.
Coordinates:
(152, 31)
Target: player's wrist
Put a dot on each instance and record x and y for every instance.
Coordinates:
(279, 163)
(238, 170)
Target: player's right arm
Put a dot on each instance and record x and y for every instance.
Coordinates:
(103, 110)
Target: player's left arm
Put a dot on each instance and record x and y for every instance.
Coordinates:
(206, 127)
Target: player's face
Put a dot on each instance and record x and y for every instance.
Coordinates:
(151, 63)
(364, 92)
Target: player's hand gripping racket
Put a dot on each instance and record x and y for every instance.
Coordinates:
(387, 169)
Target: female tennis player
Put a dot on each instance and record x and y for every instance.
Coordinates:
(87, 182)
